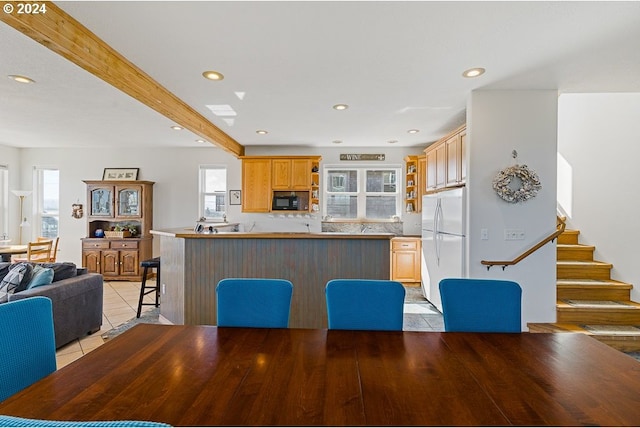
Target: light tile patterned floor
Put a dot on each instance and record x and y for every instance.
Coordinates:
(121, 303)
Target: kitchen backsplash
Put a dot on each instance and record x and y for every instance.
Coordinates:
(383, 227)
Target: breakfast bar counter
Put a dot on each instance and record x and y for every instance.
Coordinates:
(193, 263)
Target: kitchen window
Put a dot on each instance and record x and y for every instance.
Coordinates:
(362, 193)
(48, 202)
(213, 191)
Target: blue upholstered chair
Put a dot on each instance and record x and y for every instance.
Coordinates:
(364, 304)
(253, 302)
(481, 305)
(12, 421)
(27, 343)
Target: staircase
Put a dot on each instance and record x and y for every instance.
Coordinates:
(589, 301)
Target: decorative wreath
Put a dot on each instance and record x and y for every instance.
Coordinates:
(527, 178)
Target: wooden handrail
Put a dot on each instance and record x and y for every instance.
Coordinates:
(560, 226)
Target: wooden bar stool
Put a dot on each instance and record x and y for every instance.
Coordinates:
(144, 289)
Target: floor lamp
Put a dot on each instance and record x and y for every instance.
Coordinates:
(23, 220)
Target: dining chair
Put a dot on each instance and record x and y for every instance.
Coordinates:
(481, 305)
(37, 252)
(253, 302)
(14, 421)
(54, 246)
(364, 304)
(27, 343)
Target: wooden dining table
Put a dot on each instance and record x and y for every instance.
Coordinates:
(206, 375)
(7, 251)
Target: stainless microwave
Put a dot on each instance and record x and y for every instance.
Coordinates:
(285, 203)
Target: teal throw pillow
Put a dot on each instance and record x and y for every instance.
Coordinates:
(40, 276)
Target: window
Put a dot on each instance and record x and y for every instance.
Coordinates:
(4, 202)
(359, 193)
(48, 202)
(213, 191)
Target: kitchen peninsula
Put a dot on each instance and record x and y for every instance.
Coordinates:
(193, 263)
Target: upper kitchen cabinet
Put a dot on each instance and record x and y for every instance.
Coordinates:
(263, 176)
(290, 174)
(445, 161)
(256, 185)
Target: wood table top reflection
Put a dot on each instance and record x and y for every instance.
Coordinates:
(204, 375)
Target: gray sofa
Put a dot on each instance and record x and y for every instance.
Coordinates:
(77, 304)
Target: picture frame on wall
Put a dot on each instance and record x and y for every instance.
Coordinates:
(120, 174)
(235, 197)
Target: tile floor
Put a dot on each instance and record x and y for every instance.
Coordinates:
(121, 303)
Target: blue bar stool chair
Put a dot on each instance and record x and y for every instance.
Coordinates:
(145, 289)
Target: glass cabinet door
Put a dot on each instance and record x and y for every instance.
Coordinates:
(102, 202)
(129, 202)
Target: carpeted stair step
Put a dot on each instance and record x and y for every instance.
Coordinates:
(598, 312)
(593, 289)
(625, 338)
(575, 252)
(572, 269)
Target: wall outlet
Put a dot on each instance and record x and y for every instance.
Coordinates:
(514, 234)
(484, 234)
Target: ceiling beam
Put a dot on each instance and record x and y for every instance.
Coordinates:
(61, 33)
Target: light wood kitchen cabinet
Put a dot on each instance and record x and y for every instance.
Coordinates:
(405, 259)
(112, 204)
(430, 184)
(266, 176)
(291, 174)
(441, 166)
(256, 185)
(445, 161)
(422, 179)
(412, 186)
(463, 154)
(454, 160)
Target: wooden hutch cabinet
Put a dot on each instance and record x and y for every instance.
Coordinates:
(111, 204)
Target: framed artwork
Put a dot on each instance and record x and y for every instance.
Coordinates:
(120, 174)
(235, 197)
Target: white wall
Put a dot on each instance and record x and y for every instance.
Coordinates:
(10, 156)
(499, 122)
(175, 172)
(599, 144)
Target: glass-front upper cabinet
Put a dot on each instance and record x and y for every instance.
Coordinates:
(102, 202)
(129, 203)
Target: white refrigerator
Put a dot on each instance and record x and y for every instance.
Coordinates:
(443, 240)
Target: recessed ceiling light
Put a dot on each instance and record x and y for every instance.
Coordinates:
(176, 128)
(340, 107)
(392, 141)
(262, 132)
(473, 72)
(200, 141)
(21, 79)
(413, 131)
(213, 75)
(337, 142)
